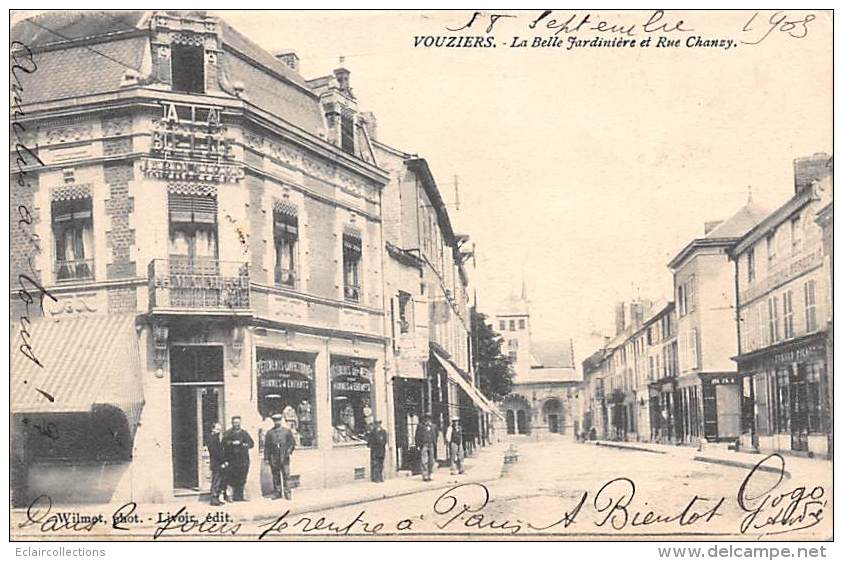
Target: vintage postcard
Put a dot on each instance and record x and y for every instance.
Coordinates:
(421, 275)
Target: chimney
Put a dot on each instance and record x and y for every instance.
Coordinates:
(810, 169)
(371, 123)
(620, 317)
(711, 225)
(290, 58)
(343, 76)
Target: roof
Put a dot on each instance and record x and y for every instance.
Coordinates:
(553, 353)
(739, 223)
(114, 41)
(726, 233)
(772, 220)
(280, 96)
(57, 26)
(420, 167)
(85, 362)
(66, 73)
(548, 375)
(593, 362)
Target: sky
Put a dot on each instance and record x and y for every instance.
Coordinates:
(581, 172)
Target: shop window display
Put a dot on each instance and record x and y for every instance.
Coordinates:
(352, 399)
(285, 386)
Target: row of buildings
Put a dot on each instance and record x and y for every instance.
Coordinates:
(200, 233)
(742, 354)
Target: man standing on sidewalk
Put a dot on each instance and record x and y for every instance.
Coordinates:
(236, 445)
(453, 436)
(377, 450)
(426, 443)
(218, 465)
(277, 449)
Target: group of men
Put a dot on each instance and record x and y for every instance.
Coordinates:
(426, 435)
(229, 459)
(229, 455)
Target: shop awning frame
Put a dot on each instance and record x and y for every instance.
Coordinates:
(86, 363)
(473, 393)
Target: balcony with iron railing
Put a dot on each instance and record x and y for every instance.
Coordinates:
(75, 270)
(205, 286)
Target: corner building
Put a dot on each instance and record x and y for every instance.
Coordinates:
(209, 232)
(784, 314)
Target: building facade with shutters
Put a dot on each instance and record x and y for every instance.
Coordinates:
(707, 395)
(200, 236)
(430, 366)
(784, 317)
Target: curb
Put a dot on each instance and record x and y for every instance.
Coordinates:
(381, 496)
(628, 447)
(740, 464)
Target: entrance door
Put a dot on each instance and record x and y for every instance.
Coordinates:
(196, 403)
(553, 423)
(408, 397)
(799, 410)
(195, 409)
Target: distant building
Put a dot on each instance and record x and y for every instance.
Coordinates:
(662, 369)
(784, 312)
(545, 388)
(709, 404)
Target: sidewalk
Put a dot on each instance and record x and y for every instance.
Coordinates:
(485, 465)
(718, 455)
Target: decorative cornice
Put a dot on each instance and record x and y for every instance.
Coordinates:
(71, 191)
(192, 188)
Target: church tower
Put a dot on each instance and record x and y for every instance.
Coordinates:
(512, 322)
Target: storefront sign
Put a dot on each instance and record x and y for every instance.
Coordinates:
(352, 379)
(800, 354)
(285, 386)
(784, 273)
(722, 380)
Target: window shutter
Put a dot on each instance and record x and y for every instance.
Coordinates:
(193, 208)
(286, 220)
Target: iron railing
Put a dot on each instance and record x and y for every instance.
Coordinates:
(198, 283)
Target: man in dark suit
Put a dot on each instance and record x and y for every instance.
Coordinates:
(277, 449)
(218, 465)
(376, 440)
(236, 445)
(426, 443)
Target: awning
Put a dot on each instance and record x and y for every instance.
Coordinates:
(473, 393)
(87, 363)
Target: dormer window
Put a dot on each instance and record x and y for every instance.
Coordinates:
(188, 67)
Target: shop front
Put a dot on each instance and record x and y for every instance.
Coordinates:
(77, 400)
(721, 406)
(784, 389)
(662, 421)
(329, 394)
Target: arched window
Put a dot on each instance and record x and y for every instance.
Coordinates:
(510, 422)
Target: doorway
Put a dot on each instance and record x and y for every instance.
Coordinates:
(798, 409)
(551, 410)
(196, 403)
(553, 423)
